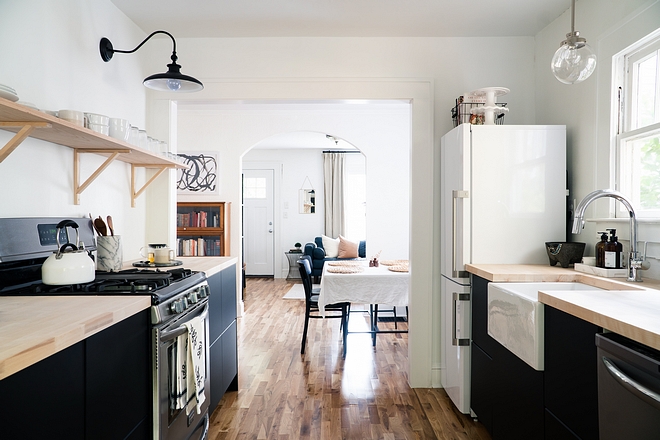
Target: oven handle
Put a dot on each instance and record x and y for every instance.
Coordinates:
(166, 336)
(205, 429)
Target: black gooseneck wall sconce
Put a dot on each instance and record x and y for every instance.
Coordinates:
(171, 81)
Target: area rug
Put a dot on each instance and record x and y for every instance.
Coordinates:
(297, 291)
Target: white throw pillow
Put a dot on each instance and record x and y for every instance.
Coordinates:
(331, 246)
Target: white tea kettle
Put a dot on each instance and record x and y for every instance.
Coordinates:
(64, 267)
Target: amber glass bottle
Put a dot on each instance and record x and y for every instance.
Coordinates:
(600, 250)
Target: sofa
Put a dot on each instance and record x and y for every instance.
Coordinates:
(316, 251)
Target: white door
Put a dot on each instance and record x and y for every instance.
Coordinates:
(258, 224)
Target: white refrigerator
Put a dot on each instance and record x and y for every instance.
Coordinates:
(503, 195)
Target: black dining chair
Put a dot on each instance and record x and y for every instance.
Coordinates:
(312, 305)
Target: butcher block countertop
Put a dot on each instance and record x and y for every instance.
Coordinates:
(209, 265)
(627, 308)
(35, 327)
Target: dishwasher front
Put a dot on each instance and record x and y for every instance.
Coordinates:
(628, 389)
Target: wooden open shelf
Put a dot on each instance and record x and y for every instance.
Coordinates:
(28, 122)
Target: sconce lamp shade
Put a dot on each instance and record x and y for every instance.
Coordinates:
(574, 61)
(171, 81)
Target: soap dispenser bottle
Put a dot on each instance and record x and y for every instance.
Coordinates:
(600, 250)
(612, 251)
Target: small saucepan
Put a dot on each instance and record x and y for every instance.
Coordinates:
(69, 264)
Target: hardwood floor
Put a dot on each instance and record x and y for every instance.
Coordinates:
(285, 395)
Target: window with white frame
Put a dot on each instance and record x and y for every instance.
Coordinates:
(637, 122)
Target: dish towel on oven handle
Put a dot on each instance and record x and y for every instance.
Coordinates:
(179, 385)
(196, 364)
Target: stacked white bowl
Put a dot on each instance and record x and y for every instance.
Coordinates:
(73, 116)
(97, 123)
(119, 129)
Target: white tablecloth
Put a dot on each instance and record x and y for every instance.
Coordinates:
(375, 285)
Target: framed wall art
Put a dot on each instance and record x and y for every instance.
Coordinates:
(201, 178)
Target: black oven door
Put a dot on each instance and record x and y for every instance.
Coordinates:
(172, 420)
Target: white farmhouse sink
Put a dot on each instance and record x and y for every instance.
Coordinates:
(516, 318)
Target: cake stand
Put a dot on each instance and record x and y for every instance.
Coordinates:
(489, 109)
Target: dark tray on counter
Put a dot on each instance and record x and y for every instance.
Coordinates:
(148, 264)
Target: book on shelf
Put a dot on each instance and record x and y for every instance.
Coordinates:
(197, 220)
(198, 247)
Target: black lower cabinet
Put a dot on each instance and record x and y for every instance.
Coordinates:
(99, 388)
(556, 430)
(483, 396)
(118, 380)
(222, 331)
(46, 400)
(571, 378)
(518, 412)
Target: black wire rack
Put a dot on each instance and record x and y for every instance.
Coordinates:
(460, 113)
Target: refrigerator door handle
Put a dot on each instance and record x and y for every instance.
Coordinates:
(456, 194)
(454, 340)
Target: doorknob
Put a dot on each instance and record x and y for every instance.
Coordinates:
(270, 230)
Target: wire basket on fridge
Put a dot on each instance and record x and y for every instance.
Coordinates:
(460, 114)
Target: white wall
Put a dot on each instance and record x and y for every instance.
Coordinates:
(609, 27)
(50, 56)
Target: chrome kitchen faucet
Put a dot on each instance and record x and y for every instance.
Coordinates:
(635, 263)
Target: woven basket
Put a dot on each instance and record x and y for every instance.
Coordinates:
(345, 269)
(394, 262)
(399, 268)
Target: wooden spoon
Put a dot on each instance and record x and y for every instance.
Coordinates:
(99, 224)
(94, 224)
(111, 226)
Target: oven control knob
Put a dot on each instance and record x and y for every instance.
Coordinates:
(176, 306)
(185, 303)
(203, 293)
(192, 297)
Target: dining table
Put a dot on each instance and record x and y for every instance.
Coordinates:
(365, 284)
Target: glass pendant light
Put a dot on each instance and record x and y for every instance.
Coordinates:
(574, 61)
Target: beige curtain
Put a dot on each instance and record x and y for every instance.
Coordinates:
(333, 188)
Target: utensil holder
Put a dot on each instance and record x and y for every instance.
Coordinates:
(109, 255)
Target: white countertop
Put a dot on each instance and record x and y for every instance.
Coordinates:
(627, 308)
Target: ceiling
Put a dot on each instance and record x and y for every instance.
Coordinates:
(340, 18)
(344, 18)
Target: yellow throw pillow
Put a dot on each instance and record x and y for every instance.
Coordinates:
(347, 249)
(330, 246)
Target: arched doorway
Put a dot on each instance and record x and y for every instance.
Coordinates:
(295, 159)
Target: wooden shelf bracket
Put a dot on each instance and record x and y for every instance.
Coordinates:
(136, 194)
(20, 136)
(77, 187)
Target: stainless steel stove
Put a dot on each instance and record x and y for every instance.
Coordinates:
(177, 296)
